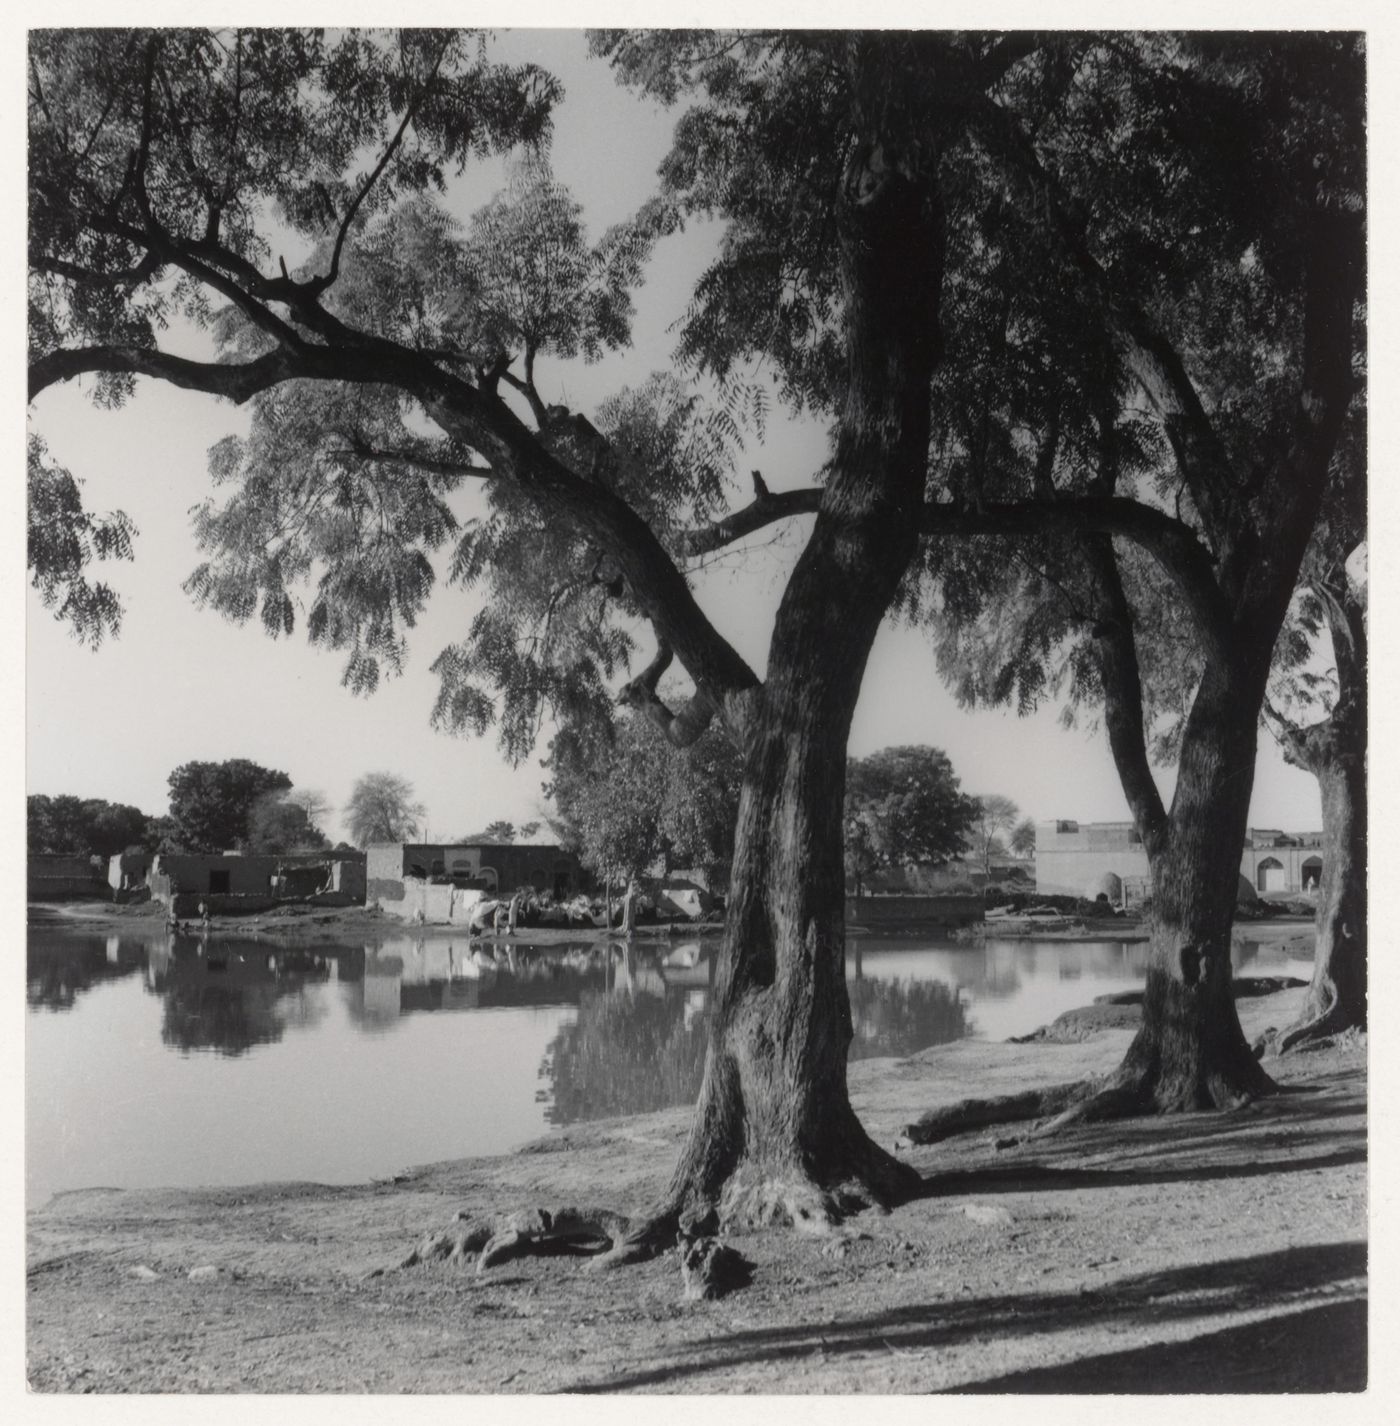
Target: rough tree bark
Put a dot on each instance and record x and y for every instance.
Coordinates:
(1191, 1052)
(774, 1136)
(1334, 751)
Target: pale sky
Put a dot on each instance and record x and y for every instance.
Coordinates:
(181, 684)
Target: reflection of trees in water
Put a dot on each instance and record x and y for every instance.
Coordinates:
(228, 1002)
(58, 969)
(624, 1055)
(547, 980)
(902, 1017)
(628, 1054)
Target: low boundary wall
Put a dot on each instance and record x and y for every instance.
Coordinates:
(894, 912)
(429, 902)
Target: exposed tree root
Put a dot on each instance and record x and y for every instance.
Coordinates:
(758, 1196)
(711, 1269)
(653, 1234)
(1310, 1031)
(1130, 1092)
(531, 1231)
(970, 1114)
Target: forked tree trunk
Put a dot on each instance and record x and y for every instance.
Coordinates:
(1334, 751)
(775, 1137)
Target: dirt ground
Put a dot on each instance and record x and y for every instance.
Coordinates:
(1204, 1253)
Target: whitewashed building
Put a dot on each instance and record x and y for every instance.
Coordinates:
(1092, 858)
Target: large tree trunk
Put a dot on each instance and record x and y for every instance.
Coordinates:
(1191, 1052)
(775, 1137)
(1334, 751)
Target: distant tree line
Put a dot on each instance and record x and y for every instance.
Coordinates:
(89, 826)
(224, 806)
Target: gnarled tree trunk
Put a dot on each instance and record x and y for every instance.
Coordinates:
(1191, 1052)
(775, 1137)
(1334, 751)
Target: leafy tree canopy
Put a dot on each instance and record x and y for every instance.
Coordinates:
(382, 809)
(83, 826)
(278, 824)
(634, 802)
(903, 806)
(64, 539)
(212, 804)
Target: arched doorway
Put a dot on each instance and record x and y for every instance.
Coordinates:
(1312, 873)
(1270, 875)
(1109, 886)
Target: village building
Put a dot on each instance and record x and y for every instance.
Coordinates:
(128, 874)
(59, 876)
(1090, 859)
(444, 882)
(239, 882)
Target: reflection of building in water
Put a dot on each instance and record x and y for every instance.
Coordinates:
(59, 968)
(380, 987)
(405, 974)
(1089, 858)
(158, 957)
(688, 965)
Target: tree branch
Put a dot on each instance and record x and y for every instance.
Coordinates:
(1122, 685)
(236, 380)
(147, 268)
(163, 243)
(319, 284)
(362, 450)
(680, 729)
(527, 389)
(1171, 543)
(765, 509)
(1200, 453)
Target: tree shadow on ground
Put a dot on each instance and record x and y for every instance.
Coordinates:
(1024, 1177)
(1261, 1139)
(1317, 1349)
(1279, 1280)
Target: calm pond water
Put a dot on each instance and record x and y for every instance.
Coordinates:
(226, 1060)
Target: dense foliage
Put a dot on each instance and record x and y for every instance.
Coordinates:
(64, 539)
(86, 826)
(277, 824)
(212, 804)
(631, 803)
(903, 806)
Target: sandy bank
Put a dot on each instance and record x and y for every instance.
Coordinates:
(1196, 1253)
(312, 923)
